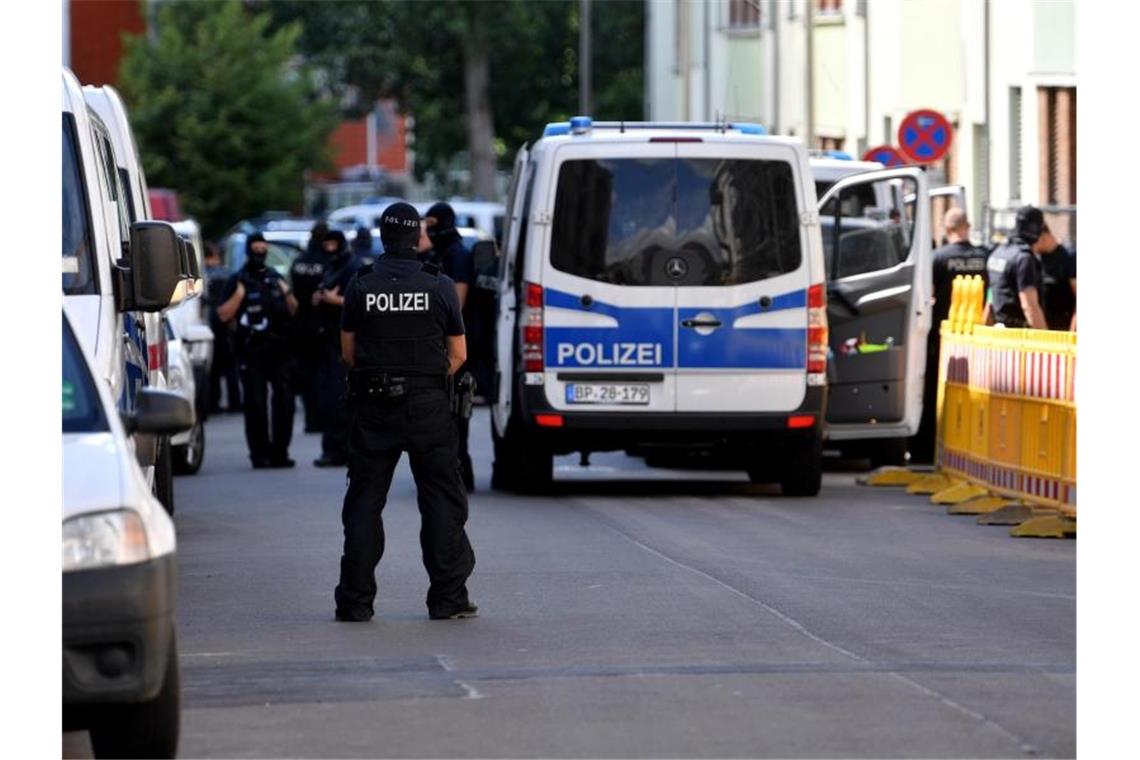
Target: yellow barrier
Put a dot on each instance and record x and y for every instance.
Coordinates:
(1007, 413)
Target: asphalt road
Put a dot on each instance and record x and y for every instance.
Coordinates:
(639, 612)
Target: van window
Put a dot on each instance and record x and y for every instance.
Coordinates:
(81, 410)
(78, 264)
(619, 220)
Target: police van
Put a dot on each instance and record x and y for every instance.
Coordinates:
(117, 274)
(680, 285)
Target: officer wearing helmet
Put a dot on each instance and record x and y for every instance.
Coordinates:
(328, 301)
(402, 336)
(1014, 271)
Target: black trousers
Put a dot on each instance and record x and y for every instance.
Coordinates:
(224, 366)
(333, 387)
(922, 444)
(421, 424)
(262, 369)
(307, 366)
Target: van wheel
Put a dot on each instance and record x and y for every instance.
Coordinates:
(164, 475)
(521, 464)
(888, 452)
(802, 474)
(188, 458)
(146, 729)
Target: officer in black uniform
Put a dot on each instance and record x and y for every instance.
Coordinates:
(402, 336)
(448, 252)
(957, 257)
(307, 272)
(1015, 273)
(328, 300)
(1058, 283)
(260, 299)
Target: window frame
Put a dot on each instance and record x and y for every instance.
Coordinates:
(71, 126)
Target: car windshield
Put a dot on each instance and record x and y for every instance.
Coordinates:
(81, 410)
(78, 269)
(685, 222)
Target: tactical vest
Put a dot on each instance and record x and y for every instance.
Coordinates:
(1002, 269)
(263, 310)
(401, 324)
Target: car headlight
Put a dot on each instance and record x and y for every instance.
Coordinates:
(104, 539)
(199, 351)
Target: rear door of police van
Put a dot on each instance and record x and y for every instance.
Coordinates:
(737, 260)
(607, 298)
(879, 291)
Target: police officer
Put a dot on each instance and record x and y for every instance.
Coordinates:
(1015, 273)
(328, 300)
(446, 251)
(224, 364)
(261, 302)
(402, 336)
(307, 271)
(362, 247)
(957, 257)
(1058, 283)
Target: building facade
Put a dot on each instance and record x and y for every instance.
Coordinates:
(1003, 72)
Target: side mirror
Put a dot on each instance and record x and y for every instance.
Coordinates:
(155, 267)
(160, 412)
(191, 268)
(484, 255)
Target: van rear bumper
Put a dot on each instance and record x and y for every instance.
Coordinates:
(611, 431)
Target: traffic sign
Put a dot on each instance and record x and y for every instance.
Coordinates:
(885, 155)
(925, 135)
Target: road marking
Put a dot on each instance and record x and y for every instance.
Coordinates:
(472, 692)
(445, 662)
(1022, 745)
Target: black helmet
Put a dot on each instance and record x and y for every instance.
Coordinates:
(443, 233)
(400, 228)
(256, 237)
(339, 238)
(1030, 224)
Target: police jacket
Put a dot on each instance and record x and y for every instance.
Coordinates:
(951, 261)
(263, 317)
(338, 273)
(307, 272)
(1012, 268)
(1058, 300)
(401, 313)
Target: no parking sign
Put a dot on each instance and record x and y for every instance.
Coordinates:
(885, 155)
(925, 136)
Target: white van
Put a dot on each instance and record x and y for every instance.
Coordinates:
(668, 285)
(117, 274)
(120, 657)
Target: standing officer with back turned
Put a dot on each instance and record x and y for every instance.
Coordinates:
(402, 337)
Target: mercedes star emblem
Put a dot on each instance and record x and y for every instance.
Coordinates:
(676, 267)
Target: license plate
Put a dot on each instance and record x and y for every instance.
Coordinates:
(607, 393)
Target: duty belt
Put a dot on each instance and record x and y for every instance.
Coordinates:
(370, 384)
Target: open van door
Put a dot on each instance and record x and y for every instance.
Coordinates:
(879, 291)
(510, 274)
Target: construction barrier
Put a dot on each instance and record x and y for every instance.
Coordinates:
(1007, 423)
(1007, 411)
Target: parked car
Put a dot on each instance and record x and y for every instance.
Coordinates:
(190, 321)
(188, 447)
(120, 655)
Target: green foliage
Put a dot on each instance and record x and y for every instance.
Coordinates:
(222, 112)
(415, 52)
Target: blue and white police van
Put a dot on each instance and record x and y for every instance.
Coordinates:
(681, 286)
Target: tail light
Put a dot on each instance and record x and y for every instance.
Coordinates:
(817, 335)
(532, 329)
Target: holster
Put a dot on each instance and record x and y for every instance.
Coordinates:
(461, 389)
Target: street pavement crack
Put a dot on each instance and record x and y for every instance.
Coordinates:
(1022, 745)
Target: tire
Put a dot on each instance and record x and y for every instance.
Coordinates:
(146, 729)
(888, 452)
(164, 475)
(802, 474)
(521, 464)
(187, 459)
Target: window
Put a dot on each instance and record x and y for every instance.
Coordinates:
(1057, 123)
(78, 255)
(828, 7)
(620, 220)
(82, 412)
(861, 239)
(743, 14)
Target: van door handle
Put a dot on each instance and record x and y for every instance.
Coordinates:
(701, 323)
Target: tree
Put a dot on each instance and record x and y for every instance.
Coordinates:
(480, 78)
(222, 112)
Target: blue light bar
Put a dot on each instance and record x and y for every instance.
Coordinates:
(747, 128)
(580, 125)
(555, 128)
(840, 154)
